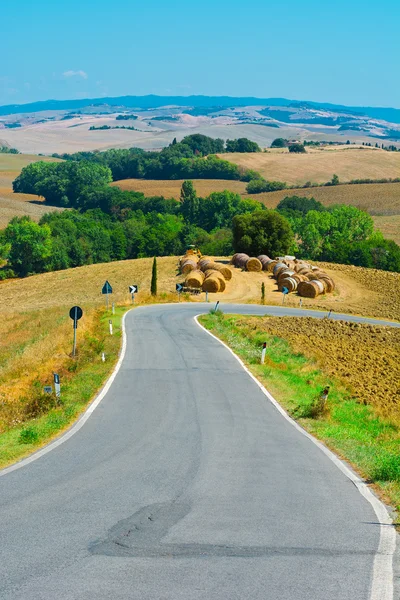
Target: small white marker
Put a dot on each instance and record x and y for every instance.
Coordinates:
(263, 352)
(110, 326)
(103, 357)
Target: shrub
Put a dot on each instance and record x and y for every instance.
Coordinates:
(28, 436)
(297, 148)
(257, 186)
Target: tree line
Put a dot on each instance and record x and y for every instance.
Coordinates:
(112, 224)
(192, 158)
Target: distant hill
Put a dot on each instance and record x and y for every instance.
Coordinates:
(147, 102)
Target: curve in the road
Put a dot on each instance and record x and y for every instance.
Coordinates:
(218, 475)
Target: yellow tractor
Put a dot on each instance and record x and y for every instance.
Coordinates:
(192, 250)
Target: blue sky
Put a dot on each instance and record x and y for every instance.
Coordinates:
(336, 51)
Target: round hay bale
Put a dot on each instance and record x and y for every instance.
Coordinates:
(217, 275)
(285, 273)
(264, 260)
(270, 265)
(278, 267)
(211, 284)
(204, 262)
(195, 279)
(186, 257)
(188, 265)
(223, 269)
(253, 264)
(330, 284)
(319, 284)
(240, 260)
(290, 283)
(308, 289)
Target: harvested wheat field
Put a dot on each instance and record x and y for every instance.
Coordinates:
(18, 205)
(371, 375)
(172, 189)
(375, 198)
(389, 226)
(318, 165)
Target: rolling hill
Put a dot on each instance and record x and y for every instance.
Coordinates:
(318, 165)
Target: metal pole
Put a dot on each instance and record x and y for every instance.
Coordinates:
(113, 308)
(107, 299)
(75, 327)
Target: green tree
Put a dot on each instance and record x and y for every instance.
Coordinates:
(30, 246)
(189, 202)
(153, 286)
(262, 232)
(297, 148)
(335, 180)
(279, 143)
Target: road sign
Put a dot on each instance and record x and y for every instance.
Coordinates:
(48, 389)
(76, 313)
(179, 287)
(133, 289)
(285, 290)
(106, 289)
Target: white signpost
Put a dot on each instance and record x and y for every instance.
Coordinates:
(133, 289)
(263, 352)
(57, 384)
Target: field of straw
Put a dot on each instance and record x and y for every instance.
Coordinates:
(18, 205)
(172, 189)
(364, 358)
(36, 333)
(318, 165)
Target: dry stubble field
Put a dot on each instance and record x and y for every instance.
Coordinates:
(318, 165)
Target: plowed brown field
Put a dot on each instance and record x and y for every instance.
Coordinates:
(364, 357)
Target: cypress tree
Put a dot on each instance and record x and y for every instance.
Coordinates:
(153, 287)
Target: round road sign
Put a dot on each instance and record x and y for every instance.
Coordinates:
(76, 313)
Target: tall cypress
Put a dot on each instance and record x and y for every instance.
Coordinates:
(153, 287)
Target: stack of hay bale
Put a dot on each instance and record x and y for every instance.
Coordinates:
(188, 263)
(204, 274)
(298, 275)
(246, 262)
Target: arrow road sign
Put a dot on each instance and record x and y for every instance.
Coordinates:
(285, 290)
(106, 289)
(179, 287)
(133, 289)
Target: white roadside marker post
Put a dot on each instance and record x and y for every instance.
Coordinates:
(110, 326)
(103, 357)
(57, 385)
(301, 302)
(216, 306)
(263, 352)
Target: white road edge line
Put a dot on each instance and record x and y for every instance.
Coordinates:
(82, 420)
(382, 576)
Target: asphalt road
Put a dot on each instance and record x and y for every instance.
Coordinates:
(185, 483)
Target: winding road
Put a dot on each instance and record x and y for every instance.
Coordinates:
(186, 483)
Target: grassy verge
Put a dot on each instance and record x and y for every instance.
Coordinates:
(353, 430)
(81, 378)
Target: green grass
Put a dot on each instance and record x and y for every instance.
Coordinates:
(370, 443)
(84, 378)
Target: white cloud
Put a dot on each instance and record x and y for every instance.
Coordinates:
(82, 74)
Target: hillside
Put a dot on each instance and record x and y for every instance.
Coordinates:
(361, 291)
(318, 165)
(18, 205)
